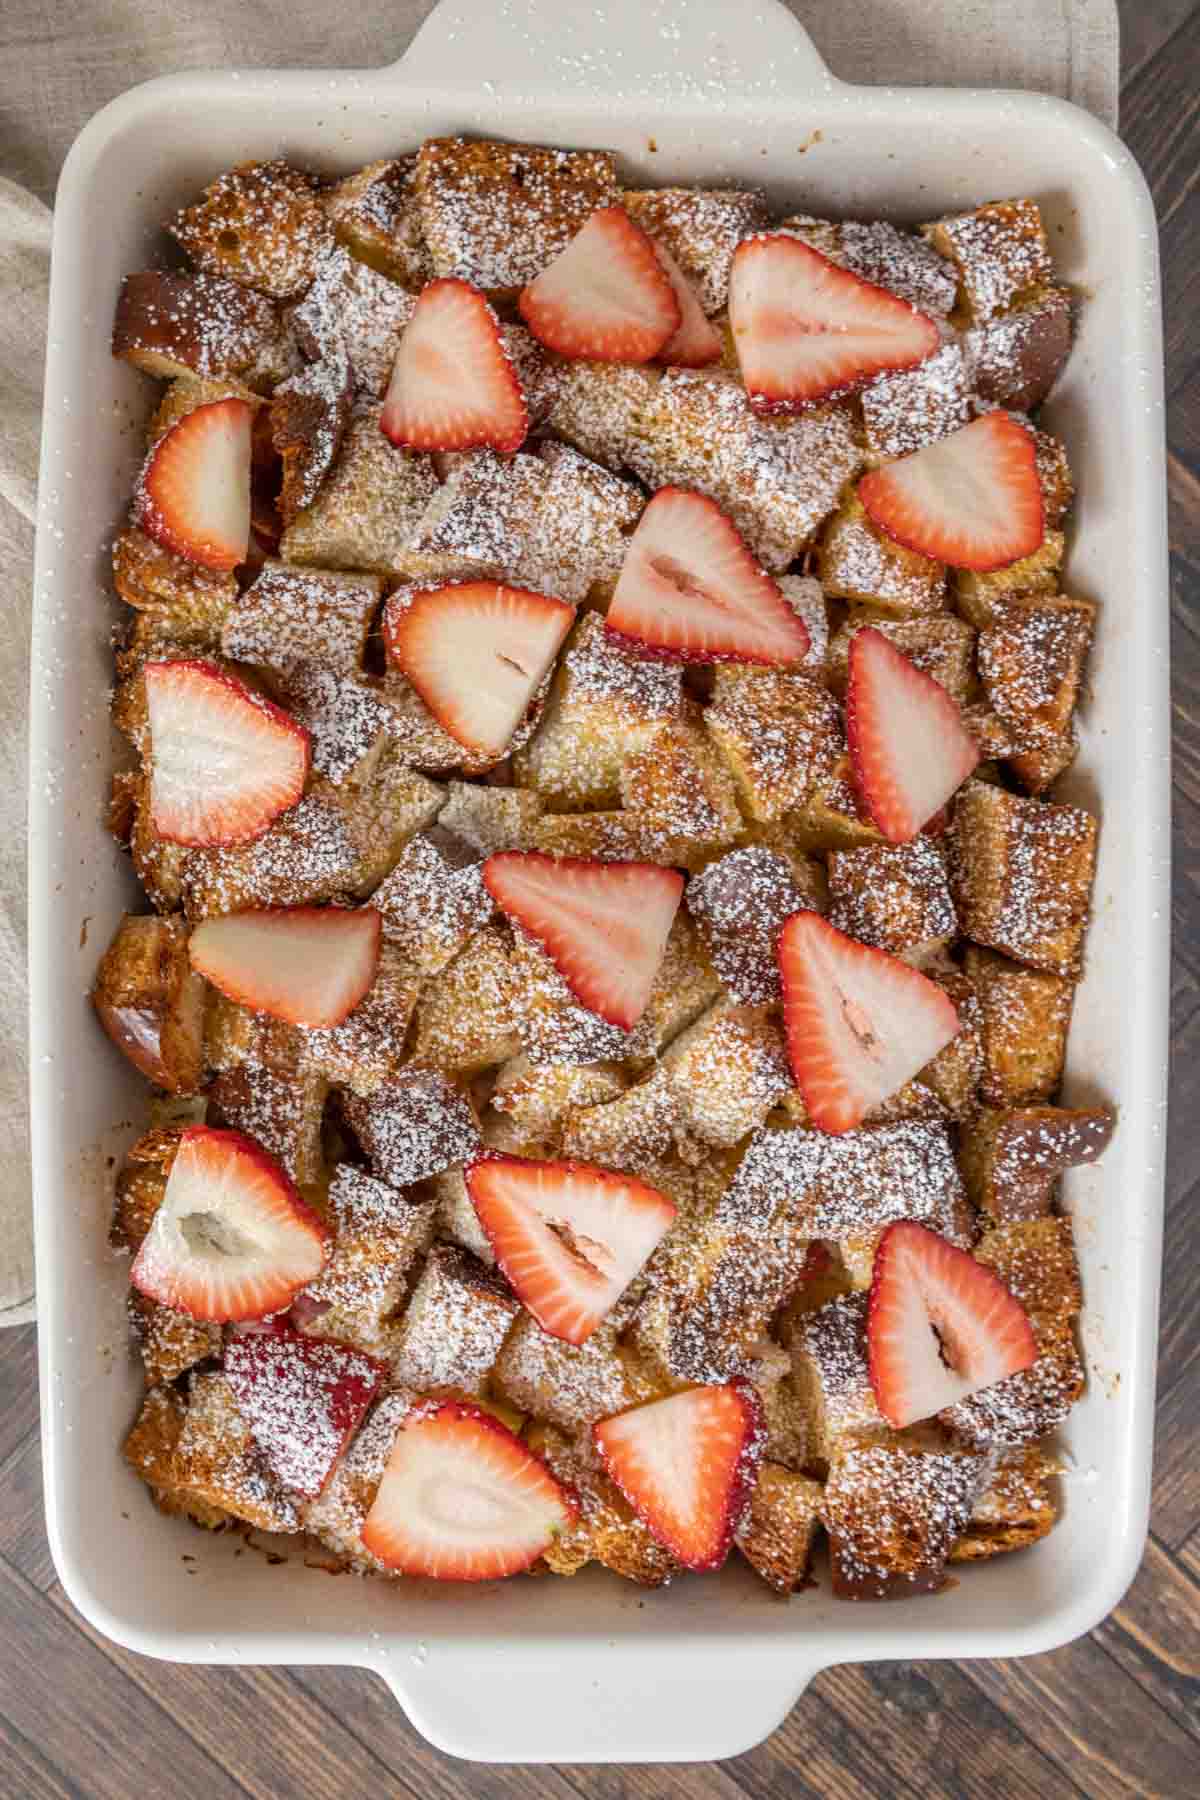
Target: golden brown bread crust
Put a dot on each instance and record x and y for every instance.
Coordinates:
(1017, 357)
(776, 1535)
(309, 416)
(261, 224)
(1012, 1159)
(375, 216)
(858, 563)
(1025, 1016)
(780, 733)
(1021, 874)
(893, 1507)
(1001, 254)
(151, 1003)
(171, 325)
(939, 644)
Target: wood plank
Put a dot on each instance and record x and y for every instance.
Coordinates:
(1183, 509)
(655, 1781)
(1146, 27)
(1155, 1635)
(818, 1752)
(1175, 1495)
(19, 1386)
(22, 1519)
(1183, 425)
(26, 1770)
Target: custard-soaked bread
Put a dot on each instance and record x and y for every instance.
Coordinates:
(980, 595)
(806, 598)
(433, 901)
(1031, 658)
(606, 1530)
(906, 411)
(171, 325)
(895, 897)
(597, 406)
(728, 1071)
(495, 214)
(369, 506)
(1012, 1159)
(785, 1419)
(480, 524)
(568, 1385)
(938, 644)
(350, 720)
(536, 1097)
(351, 314)
(337, 1516)
(151, 1003)
(617, 837)
(881, 253)
(832, 1374)
(453, 1327)
(153, 579)
(833, 817)
(375, 216)
(954, 1074)
(466, 1018)
(1016, 357)
(738, 904)
(584, 522)
(380, 1233)
(1038, 765)
(185, 395)
(1055, 478)
(701, 227)
(893, 1508)
(680, 790)
(1016, 1508)
(288, 616)
(1025, 1014)
(1021, 874)
(261, 224)
(369, 1047)
(199, 1459)
(170, 1342)
(490, 819)
(413, 1126)
(308, 416)
(140, 1189)
(778, 1527)
(858, 563)
(842, 1186)
(1000, 252)
(781, 735)
(281, 1110)
(639, 1133)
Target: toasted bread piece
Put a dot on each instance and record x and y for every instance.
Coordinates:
(1024, 1019)
(858, 563)
(336, 1517)
(413, 1126)
(785, 1417)
(939, 644)
(150, 1002)
(831, 1372)
(201, 1460)
(1038, 765)
(380, 1232)
(776, 1534)
(895, 897)
(806, 598)
(1016, 357)
(843, 1186)
(433, 902)
(288, 616)
(453, 1327)
(190, 391)
(140, 1189)
(569, 1386)
(1001, 254)
(893, 1508)
(172, 325)
(606, 1530)
(583, 525)
(979, 595)
(701, 227)
(260, 224)
(170, 1342)
(480, 524)
(1021, 875)
(351, 720)
(375, 217)
(536, 1097)
(781, 735)
(596, 406)
(1054, 475)
(309, 413)
(281, 1111)
(883, 254)
(369, 506)
(832, 818)
(367, 1050)
(738, 903)
(1031, 658)
(149, 1450)
(728, 1071)
(1012, 1159)
(495, 214)
(679, 788)
(954, 1074)
(490, 819)
(153, 579)
(466, 1017)
(904, 412)
(1015, 1510)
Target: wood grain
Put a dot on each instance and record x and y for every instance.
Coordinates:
(1115, 1714)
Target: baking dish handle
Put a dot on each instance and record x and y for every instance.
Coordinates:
(714, 51)
(632, 1703)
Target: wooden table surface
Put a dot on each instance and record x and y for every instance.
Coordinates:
(1116, 1713)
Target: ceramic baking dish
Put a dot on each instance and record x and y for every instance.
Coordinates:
(692, 91)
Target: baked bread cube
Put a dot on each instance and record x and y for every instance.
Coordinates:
(847, 1185)
(261, 224)
(368, 1048)
(351, 720)
(777, 1531)
(433, 901)
(569, 1386)
(466, 1017)
(1054, 475)
(188, 596)
(939, 644)
(151, 1003)
(375, 216)
(738, 904)
(480, 524)
(637, 1133)
(728, 1071)
(900, 261)
(170, 325)
(337, 1516)
(1000, 252)
(282, 1111)
(452, 1329)
(781, 735)
(170, 1342)
(490, 819)
(832, 1374)
(954, 1074)
(288, 616)
(1038, 765)
(199, 1459)
(583, 525)
(701, 227)
(680, 790)
(804, 595)
(979, 595)
(1021, 875)
(1024, 1017)
(140, 1188)
(185, 395)
(413, 1126)
(893, 1509)
(369, 505)
(597, 407)
(895, 897)
(915, 407)
(858, 563)
(536, 1097)
(380, 1233)
(1031, 656)
(495, 214)
(308, 416)
(785, 1419)
(1016, 1508)
(833, 817)
(607, 1530)
(1012, 1158)
(1016, 357)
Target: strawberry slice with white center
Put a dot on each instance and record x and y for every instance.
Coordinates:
(807, 331)
(453, 386)
(193, 494)
(697, 344)
(859, 1023)
(604, 925)
(909, 748)
(232, 1238)
(302, 1399)
(686, 1465)
(569, 1237)
(690, 589)
(940, 1325)
(476, 652)
(310, 965)
(462, 1499)
(606, 296)
(972, 500)
(224, 762)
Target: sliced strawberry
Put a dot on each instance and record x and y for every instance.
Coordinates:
(689, 588)
(232, 1238)
(193, 494)
(569, 1237)
(909, 748)
(476, 653)
(302, 1399)
(224, 761)
(972, 500)
(859, 1023)
(940, 1325)
(462, 1499)
(686, 1465)
(697, 343)
(453, 386)
(603, 925)
(807, 330)
(310, 965)
(606, 296)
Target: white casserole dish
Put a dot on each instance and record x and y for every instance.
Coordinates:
(685, 90)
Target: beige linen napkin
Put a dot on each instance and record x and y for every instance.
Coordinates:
(61, 60)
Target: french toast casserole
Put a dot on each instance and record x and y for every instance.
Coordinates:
(595, 670)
